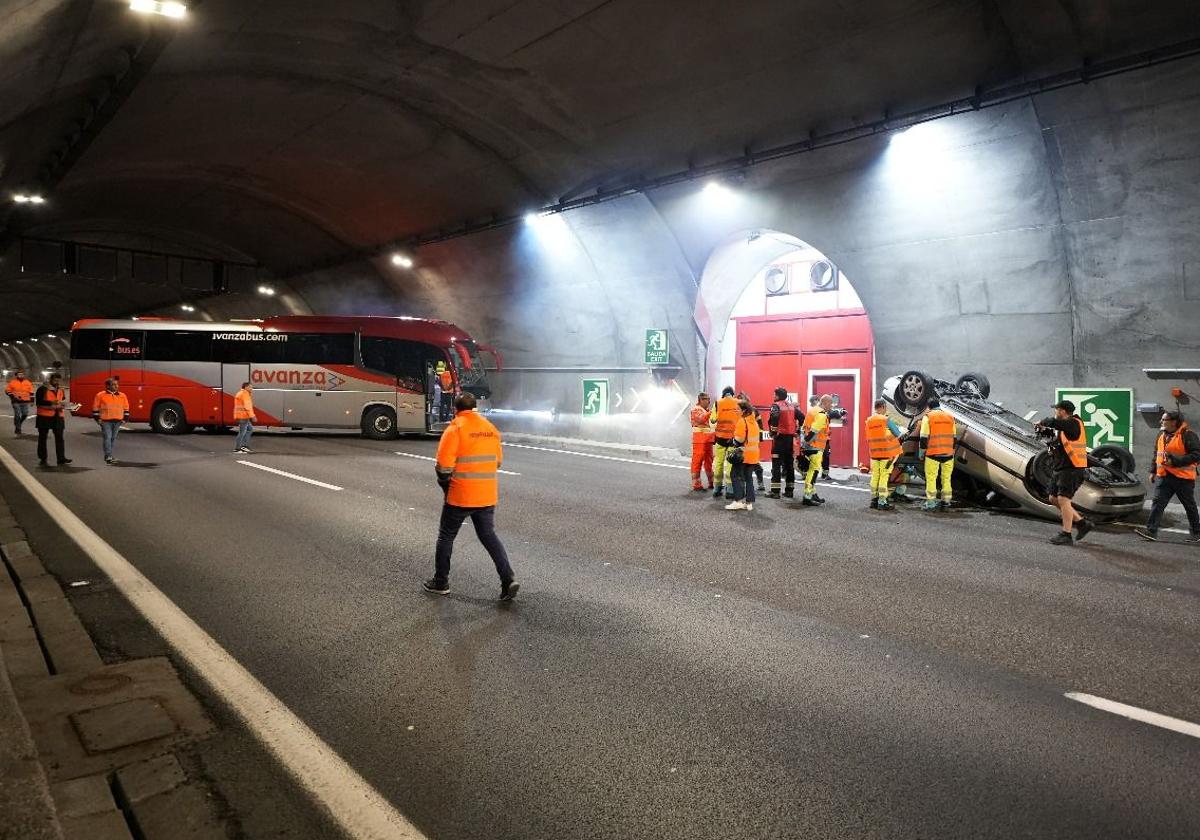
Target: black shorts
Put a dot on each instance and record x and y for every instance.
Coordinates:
(1066, 482)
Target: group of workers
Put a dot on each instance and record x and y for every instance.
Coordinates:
(726, 445)
(726, 441)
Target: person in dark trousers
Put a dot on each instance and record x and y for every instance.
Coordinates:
(51, 405)
(1176, 454)
(20, 394)
(468, 462)
(1070, 469)
(784, 421)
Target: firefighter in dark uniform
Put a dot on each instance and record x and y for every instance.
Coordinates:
(784, 421)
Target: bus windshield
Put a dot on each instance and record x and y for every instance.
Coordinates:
(469, 367)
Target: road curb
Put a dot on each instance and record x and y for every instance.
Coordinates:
(86, 748)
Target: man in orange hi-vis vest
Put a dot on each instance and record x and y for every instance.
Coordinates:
(20, 394)
(725, 416)
(1070, 469)
(243, 413)
(111, 410)
(1173, 474)
(468, 463)
(702, 441)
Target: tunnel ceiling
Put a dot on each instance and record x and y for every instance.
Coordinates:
(293, 131)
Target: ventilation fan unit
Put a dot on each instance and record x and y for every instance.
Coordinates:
(823, 276)
(777, 282)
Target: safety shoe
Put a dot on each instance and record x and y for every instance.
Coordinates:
(789, 493)
(1083, 528)
(735, 506)
(945, 504)
(774, 494)
(874, 503)
(884, 504)
(42, 462)
(1152, 536)
(932, 504)
(808, 502)
(508, 591)
(718, 494)
(696, 488)
(818, 499)
(1062, 538)
(432, 585)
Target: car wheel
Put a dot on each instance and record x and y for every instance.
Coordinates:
(1115, 457)
(379, 423)
(976, 382)
(168, 418)
(1039, 475)
(913, 391)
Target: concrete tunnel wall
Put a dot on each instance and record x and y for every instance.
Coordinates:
(1046, 243)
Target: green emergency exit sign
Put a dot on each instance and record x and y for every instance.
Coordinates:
(595, 398)
(1107, 414)
(658, 347)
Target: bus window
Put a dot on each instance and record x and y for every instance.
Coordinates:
(319, 349)
(469, 368)
(90, 344)
(406, 360)
(181, 346)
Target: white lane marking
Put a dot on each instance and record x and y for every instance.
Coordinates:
(349, 799)
(427, 458)
(291, 475)
(600, 457)
(1134, 713)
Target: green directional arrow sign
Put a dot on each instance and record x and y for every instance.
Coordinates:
(595, 398)
(658, 347)
(1107, 414)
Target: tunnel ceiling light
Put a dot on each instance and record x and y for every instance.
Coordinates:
(187, 307)
(266, 291)
(402, 260)
(153, 7)
(28, 198)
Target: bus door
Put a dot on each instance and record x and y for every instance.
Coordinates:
(232, 377)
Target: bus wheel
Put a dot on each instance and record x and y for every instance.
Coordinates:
(167, 418)
(379, 423)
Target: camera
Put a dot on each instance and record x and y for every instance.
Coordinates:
(837, 414)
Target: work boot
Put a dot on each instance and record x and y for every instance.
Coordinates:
(774, 494)
(884, 504)
(1146, 534)
(874, 503)
(436, 587)
(945, 504)
(808, 502)
(1083, 527)
(789, 492)
(1062, 538)
(826, 477)
(932, 504)
(696, 488)
(719, 492)
(818, 499)
(508, 591)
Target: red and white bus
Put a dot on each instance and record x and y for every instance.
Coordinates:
(309, 371)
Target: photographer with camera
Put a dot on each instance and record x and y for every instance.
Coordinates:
(1069, 450)
(1176, 453)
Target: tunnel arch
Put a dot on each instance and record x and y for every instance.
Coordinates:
(806, 345)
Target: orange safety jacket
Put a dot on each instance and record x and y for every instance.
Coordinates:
(941, 434)
(1173, 447)
(1076, 449)
(882, 443)
(469, 455)
(53, 396)
(20, 390)
(821, 439)
(727, 414)
(109, 406)
(702, 430)
(243, 406)
(749, 433)
(447, 380)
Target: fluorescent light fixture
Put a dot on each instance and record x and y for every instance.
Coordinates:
(20, 342)
(266, 291)
(33, 340)
(51, 335)
(153, 7)
(402, 260)
(28, 198)
(187, 307)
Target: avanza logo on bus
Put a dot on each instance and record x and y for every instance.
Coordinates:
(317, 378)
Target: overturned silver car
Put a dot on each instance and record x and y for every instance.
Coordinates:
(1000, 460)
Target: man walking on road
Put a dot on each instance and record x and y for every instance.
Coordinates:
(51, 402)
(1070, 469)
(468, 460)
(243, 413)
(1176, 454)
(20, 394)
(702, 441)
(111, 410)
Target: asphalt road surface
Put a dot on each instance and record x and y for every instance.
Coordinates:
(670, 669)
